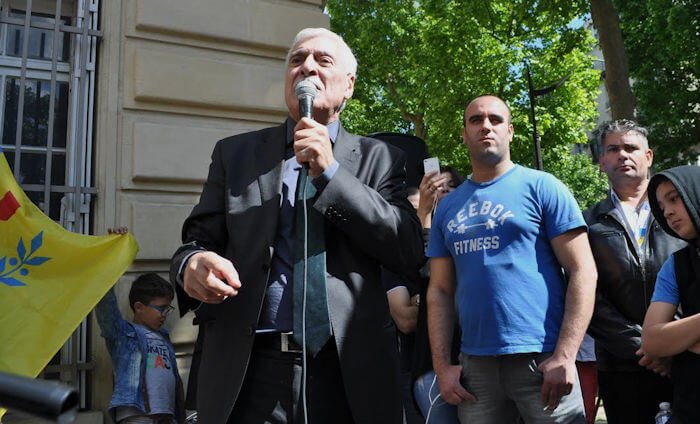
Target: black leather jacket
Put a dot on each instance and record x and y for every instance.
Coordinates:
(626, 278)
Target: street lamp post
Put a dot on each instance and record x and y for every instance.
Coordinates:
(533, 93)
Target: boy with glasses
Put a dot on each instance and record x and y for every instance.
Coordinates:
(147, 385)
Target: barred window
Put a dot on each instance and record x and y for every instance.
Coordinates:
(48, 50)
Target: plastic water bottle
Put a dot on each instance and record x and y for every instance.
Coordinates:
(664, 413)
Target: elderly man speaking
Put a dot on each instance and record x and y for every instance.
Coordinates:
(294, 315)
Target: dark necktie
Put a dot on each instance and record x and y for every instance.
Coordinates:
(318, 326)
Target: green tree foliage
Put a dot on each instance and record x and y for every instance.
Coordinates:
(420, 62)
(661, 40)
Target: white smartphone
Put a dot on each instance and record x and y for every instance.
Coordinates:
(431, 165)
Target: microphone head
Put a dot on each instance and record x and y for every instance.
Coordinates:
(305, 88)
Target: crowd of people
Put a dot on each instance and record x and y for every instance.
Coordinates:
(326, 291)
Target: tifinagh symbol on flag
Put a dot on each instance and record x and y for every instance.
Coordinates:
(50, 278)
(20, 265)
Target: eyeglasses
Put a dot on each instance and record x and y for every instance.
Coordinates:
(163, 309)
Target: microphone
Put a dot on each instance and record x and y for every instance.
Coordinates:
(49, 400)
(306, 93)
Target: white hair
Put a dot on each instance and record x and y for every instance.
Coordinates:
(347, 56)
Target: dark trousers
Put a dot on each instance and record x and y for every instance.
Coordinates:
(411, 415)
(633, 397)
(272, 387)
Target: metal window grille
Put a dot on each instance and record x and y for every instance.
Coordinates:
(48, 51)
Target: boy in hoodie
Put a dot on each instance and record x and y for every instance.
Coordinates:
(674, 197)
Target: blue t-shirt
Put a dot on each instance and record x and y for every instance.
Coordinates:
(666, 288)
(510, 286)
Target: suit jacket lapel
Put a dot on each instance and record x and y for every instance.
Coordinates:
(269, 157)
(346, 151)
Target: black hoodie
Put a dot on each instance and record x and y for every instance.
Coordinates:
(686, 365)
(686, 179)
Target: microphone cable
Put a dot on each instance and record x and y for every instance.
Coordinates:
(305, 91)
(431, 400)
(302, 180)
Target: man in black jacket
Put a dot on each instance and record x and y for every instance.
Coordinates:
(242, 243)
(629, 248)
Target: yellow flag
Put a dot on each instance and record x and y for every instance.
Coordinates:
(50, 278)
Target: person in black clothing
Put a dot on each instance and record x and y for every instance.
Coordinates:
(629, 247)
(239, 258)
(401, 292)
(426, 390)
(674, 196)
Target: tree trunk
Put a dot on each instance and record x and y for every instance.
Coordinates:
(617, 83)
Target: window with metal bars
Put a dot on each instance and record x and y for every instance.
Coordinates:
(48, 51)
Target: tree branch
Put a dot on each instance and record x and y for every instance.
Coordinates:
(415, 118)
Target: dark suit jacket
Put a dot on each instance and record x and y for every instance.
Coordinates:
(369, 223)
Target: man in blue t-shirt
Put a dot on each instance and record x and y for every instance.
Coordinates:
(500, 248)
